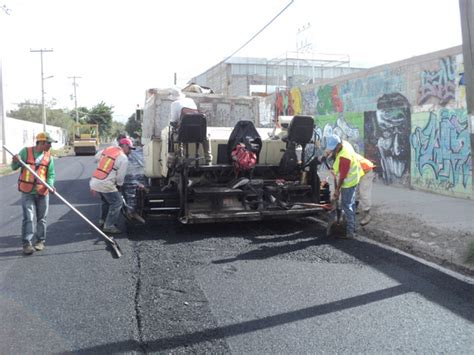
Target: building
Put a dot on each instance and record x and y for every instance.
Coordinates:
(242, 76)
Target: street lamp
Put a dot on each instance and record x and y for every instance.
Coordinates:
(42, 83)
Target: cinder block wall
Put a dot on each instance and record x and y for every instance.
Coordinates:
(409, 117)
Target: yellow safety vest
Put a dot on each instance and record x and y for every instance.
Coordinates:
(355, 171)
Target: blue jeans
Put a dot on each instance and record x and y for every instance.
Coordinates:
(110, 209)
(348, 197)
(35, 212)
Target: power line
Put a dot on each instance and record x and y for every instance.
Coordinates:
(255, 35)
(6, 9)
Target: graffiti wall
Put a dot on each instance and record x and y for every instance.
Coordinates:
(439, 84)
(408, 117)
(387, 138)
(347, 125)
(441, 152)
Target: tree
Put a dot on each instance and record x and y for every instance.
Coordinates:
(117, 128)
(32, 111)
(133, 127)
(101, 114)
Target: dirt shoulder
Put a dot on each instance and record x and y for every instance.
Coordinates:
(449, 248)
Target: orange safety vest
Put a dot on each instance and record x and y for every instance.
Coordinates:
(106, 162)
(365, 164)
(27, 180)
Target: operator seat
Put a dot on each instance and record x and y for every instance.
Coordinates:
(192, 128)
(300, 130)
(244, 132)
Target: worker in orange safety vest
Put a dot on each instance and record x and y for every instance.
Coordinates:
(107, 179)
(34, 194)
(364, 189)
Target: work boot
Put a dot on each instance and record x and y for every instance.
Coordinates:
(39, 245)
(347, 235)
(28, 249)
(366, 219)
(137, 217)
(112, 230)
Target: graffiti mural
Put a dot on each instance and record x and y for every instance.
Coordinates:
(348, 125)
(441, 152)
(283, 104)
(387, 138)
(359, 95)
(296, 101)
(440, 84)
(328, 100)
(309, 102)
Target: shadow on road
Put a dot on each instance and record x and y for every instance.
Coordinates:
(254, 325)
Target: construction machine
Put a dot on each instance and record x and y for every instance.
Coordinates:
(86, 139)
(255, 173)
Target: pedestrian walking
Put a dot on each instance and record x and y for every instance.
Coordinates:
(348, 173)
(107, 179)
(34, 194)
(364, 189)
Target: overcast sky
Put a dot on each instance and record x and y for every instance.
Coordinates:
(121, 48)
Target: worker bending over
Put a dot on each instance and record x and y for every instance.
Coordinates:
(108, 179)
(348, 173)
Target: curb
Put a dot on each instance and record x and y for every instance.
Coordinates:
(417, 248)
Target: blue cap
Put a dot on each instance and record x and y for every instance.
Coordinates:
(332, 141)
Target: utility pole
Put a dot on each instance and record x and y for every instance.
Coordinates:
(467, 26)
(75, 95)
(41, 51)
(2, 116)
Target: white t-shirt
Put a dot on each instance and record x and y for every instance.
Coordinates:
(115, 177)
(178, 105)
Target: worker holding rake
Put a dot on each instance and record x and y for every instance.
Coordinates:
(34, 194)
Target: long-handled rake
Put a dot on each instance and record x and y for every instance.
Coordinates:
(110, 240)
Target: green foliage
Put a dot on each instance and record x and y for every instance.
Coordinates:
(27, 111)
(101, 114)
(133, 127)
(31, 111)
(117, 128)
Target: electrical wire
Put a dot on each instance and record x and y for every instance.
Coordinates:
(255, 35)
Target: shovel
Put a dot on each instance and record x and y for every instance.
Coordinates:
(113, 244)
(336, 223)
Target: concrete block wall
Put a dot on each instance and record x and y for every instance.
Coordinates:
(22, 134)
(409, 117)
(220, 110)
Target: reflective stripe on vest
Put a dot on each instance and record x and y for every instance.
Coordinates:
(365, 164)
(355, 171)
(106, 162)
(26, 180)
